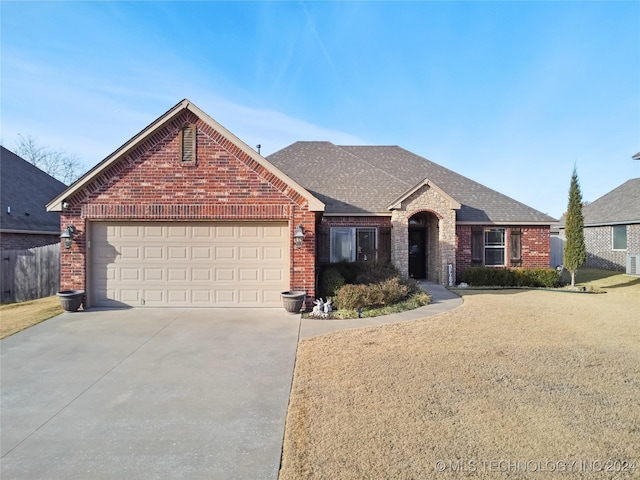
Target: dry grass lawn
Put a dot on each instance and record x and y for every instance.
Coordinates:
(513, 384)
(16, 317)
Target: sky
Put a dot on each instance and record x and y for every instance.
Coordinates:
(512, 94)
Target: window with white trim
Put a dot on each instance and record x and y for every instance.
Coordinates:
(619, 237)
(353, 244)
(494, 247)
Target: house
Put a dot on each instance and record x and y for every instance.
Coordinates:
(186, 214)
(612, 227)
(24, 192)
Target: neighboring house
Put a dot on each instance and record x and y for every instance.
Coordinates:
(612, 227)
(186, 214)
(24, 192)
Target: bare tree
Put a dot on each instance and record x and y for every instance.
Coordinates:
(58, 164)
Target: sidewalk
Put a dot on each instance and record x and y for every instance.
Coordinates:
(442, 300)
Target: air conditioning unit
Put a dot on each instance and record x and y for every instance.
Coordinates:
(633, 265)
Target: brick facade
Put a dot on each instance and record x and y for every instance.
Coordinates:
(599, 244)
(152, 183)
(24, 241)
(535, 246)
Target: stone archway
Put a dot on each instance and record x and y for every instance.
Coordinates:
(426, 208)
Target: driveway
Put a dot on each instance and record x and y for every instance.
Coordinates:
(148, 394)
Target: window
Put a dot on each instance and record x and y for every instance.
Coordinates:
(188, 143)
(619, 234)
(494, 246)
(351, 244)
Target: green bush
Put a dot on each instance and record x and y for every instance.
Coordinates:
(387, 292)
(374, 272)
(331, 281)
(504, 277)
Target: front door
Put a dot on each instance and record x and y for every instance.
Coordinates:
(417, 253)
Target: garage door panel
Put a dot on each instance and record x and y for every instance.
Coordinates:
(153, 253)
(177, 231)
(190, 264)
(248, 253)
(177, 253)
(273, 253)
(130, 231)
(201, 253)
(200, 274)
(224, 253)
(248, 274)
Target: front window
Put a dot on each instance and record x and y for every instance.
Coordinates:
(351, 244)
(619, 240)
(494, 246)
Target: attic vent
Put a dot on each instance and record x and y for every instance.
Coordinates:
(188, 143)
(633, 265)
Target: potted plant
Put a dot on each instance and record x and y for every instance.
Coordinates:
(293, 300)
(70, 300)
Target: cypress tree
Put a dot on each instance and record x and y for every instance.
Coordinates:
(575, 252)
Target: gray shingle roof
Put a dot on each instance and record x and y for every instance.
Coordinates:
(366, 179)
(26, 189)
(620, 206)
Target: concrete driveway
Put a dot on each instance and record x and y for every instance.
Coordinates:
(148, 394)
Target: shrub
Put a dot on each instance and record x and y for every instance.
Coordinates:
(331, 281)
(538, 277)
(374, 272)
(504, 277)
(353, 296)
(393, 290)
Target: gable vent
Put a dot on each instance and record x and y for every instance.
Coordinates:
(633, 265)
(188, 143)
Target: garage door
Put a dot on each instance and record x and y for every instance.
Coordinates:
(244, 264)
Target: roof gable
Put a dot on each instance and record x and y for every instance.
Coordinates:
(24, 192)
(142, 140)
(397, 203)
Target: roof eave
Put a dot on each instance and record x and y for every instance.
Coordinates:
(507, 222)
(56, 205)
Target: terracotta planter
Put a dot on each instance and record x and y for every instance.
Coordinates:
(70, 300)
(293, 301)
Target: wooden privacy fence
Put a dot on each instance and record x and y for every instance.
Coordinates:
(30, 274)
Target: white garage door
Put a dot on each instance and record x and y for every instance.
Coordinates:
(221, 264)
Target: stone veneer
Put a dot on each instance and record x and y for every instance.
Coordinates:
(427, 200)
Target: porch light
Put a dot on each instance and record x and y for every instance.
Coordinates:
(67, 236)
(298, 237)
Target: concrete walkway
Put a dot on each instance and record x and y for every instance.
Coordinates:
(157, 393)
(442, 301)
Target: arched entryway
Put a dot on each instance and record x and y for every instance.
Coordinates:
(423, 246)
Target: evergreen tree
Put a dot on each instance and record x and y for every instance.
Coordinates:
(575, 252)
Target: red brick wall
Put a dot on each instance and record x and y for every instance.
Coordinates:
(536, 246)
(151, 183)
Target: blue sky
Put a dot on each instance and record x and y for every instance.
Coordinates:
(510, 94)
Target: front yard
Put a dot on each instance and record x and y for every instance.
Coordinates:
(515, 383)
